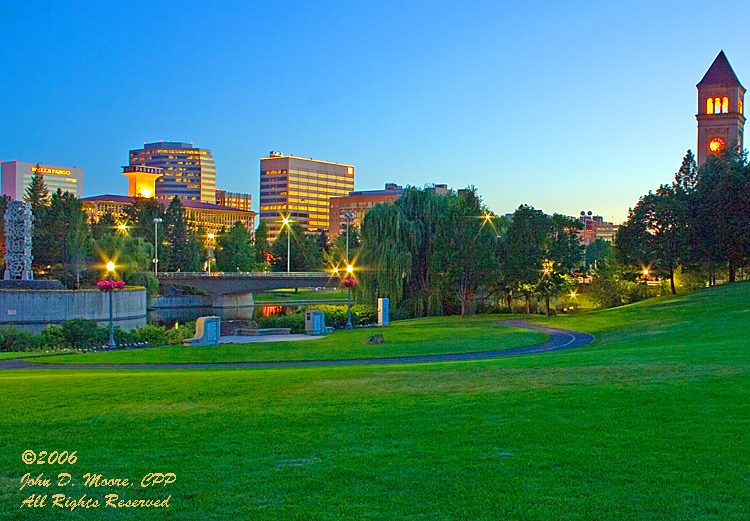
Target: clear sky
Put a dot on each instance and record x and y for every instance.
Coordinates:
(566, 106)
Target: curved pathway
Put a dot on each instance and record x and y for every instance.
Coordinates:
(559, 339)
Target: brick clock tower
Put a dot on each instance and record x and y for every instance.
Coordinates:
(720, 113)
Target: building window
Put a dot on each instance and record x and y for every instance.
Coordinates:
(725, 105)
(710, 106)
(739, 106)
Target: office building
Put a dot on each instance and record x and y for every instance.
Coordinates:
(212, 217)
(720, 112)
(358, 203)
(233, 200)
(187, 172)
(16, 177)
(594, 227)
(300, 188)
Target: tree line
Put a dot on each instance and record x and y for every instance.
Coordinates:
(699, 223)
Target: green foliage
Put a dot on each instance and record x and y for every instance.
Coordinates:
(16, 339)
(303, 251)
(37, 193)
(234, 251)
(185, 248)
(596, 252)
(82, 333)
(336, 315)
(153, 335)
(53, 337)
(262, 248)
(615, 284)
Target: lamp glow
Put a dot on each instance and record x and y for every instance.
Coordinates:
(110, 266)
(349, 268)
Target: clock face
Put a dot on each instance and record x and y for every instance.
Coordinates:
(716, 145)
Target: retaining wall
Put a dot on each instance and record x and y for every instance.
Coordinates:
(34, 309)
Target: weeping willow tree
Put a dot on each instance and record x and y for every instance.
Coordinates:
(403, 248)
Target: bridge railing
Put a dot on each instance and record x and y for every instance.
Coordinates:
(246, 274)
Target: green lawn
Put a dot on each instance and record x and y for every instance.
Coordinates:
(407, 337)
(30, 354)
(301, 294)
(650, 422)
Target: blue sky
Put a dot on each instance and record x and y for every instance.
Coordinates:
(565, 106)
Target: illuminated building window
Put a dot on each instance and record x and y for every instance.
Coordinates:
(739, 106)
(710, 106)
(725, 105)
(717, 105)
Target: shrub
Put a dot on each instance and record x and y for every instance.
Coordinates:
(174, 337)
(122, 337)
(52, 337)
(153, 335)
(81, 333)
(15, 339)
(336, 315)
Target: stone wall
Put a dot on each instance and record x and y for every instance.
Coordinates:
(34, 309)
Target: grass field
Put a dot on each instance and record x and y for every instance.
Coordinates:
(650, 422)
(408, 337)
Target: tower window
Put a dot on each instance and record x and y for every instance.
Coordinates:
(717, 105)
(725, 105)
(710, 106)
(739, 106)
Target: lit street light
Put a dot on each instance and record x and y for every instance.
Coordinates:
(285, 222)
(210, 251)
(349, 273)
(157, 220)
(111, 345)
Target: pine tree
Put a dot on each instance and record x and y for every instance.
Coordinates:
(687, 176)
(37, 193)
(262, 247)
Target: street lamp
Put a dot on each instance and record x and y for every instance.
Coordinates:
(286, 221)
(349, 216)
(210, 251)
(349, 273)
(111, 344)
(157, 220)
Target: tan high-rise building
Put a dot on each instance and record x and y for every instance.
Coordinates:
(300, 189)
(720, 112)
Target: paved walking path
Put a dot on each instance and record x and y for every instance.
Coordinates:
(559, 339)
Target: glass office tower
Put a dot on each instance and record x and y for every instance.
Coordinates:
(300, 188)
(189, 172)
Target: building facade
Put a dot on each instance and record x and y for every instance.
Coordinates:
(187, 172)
(594, 227)
(300, 189)
(16, 177)
(233, 200)
(721, 119)
(212, 217)
(358, 203)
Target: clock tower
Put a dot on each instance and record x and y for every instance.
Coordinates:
(720, 113)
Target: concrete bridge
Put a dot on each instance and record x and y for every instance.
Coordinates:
(232, 293)
(248, 282)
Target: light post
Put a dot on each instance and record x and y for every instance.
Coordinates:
(210, 251)
(349, 216)
(349, 272)
(157, 220)
(111, 345)
(285, 220)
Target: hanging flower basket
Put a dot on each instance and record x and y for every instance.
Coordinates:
(349, 283)
(110, 285)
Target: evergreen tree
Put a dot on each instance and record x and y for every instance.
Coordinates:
(687, 176)
(37, 193)
(184, 247)
(234, 250)
(262, 247)
(105, 225)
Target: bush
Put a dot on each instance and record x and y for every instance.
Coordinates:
(52, 337)
(175, 337)
(295, 321)
(15, 339)
(336, 315)
(83, 333)
(153, 335)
